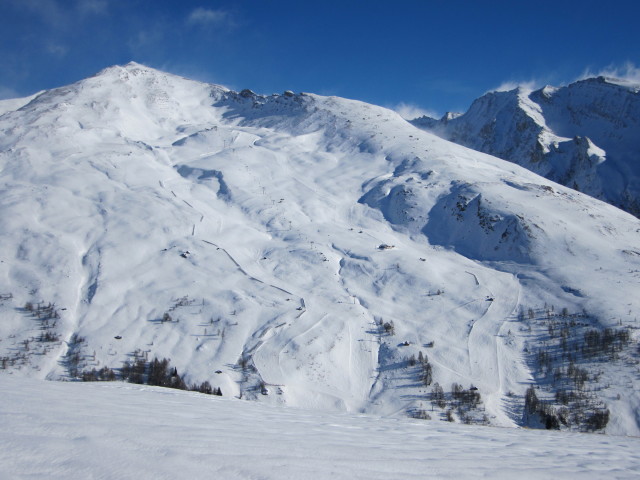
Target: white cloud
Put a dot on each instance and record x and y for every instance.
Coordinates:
(409, 111)
(206, 16)
(528, 85)
(627, 72)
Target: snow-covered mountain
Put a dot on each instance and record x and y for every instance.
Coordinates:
(308, 251)
(585, 135)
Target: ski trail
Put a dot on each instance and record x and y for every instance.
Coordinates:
(485, 355)
(271, 366)
(513, 366)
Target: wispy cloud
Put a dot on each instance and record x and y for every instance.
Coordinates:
(48, 11)
(60, 14)
(92, 7)
(528, 85)
(409, 111)
(145, 41)
(192, 71)
(627, 72)
(209, 17)
(6, 92)
(56, 19)
(56, 49)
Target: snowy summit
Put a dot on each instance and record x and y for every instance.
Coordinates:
(585, 135)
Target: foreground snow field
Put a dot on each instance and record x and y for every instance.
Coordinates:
(121, 431)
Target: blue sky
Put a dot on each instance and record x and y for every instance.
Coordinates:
(427, 55)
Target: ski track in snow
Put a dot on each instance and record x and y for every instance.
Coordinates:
(486, 330)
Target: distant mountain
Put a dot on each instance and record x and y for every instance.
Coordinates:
(585, 135)
(310, 251)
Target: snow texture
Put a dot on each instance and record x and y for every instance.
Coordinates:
(584, 135)
(121, 431)
(268, 245)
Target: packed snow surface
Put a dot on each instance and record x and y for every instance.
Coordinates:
(306, 251)
(123, 431)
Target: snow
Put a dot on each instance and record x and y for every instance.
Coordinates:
(282, 203)
(583, 135)
(12, 104)
(124, 431)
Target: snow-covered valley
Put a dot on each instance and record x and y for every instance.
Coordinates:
(308, 251)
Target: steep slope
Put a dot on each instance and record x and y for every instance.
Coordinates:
(300, 250)
(11, 104)
(584, 135)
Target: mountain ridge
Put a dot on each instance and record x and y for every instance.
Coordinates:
(309, 249)
(582, 135)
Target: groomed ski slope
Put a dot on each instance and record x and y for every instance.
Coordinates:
(121, 431)
(260, 225)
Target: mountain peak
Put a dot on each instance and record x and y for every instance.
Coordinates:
(537, 130)
(133, 64)
(631, 84)
(129, 68)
